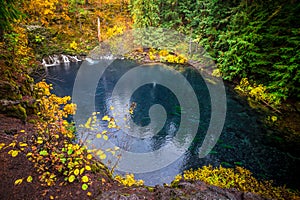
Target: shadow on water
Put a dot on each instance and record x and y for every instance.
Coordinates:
(241, 143)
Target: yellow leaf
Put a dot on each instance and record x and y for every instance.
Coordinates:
(14, 153)
(88, 123)
(73, 45)
(88, 167)
(51, 197)
(105, 137)
(71, 178)
(84, 186)
(89, 194)
(22, 131)
(13, 144)
(76, 172)
(89, 156)
(39, 140)
(104, 132)
(105, 118)
(22, 144)
(18, 181)
(81, 170)
(102, 156)
(29, 179)
(2, 145)
(98, 135)
(274, 118)
(111, 108)
(70, 135)
(85, 179)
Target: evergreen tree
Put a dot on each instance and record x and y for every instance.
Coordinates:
(8, 13)
(254, 39)
(145, 13)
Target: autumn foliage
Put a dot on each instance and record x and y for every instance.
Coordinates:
(74, 23)
(238, 178)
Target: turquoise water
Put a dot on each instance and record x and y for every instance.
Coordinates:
(243, 140)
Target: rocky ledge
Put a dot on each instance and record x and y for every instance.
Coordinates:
(185, 190)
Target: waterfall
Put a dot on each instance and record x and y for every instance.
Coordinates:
(75, 58)
(51, 59)
(91, 61)
(54, 60)
(109, 57)
(44, 62)
(65, 58)
(59, 59)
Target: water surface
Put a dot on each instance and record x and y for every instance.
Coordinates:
(242, 142)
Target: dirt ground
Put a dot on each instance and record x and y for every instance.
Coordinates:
(19, 167)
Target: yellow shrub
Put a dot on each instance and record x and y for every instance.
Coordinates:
(115, 30)
(129, 180)
(257, 92)
(43, 10)
(238, 178)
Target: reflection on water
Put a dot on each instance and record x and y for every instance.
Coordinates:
(241, 142)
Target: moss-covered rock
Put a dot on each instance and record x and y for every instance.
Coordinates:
(16, 111)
